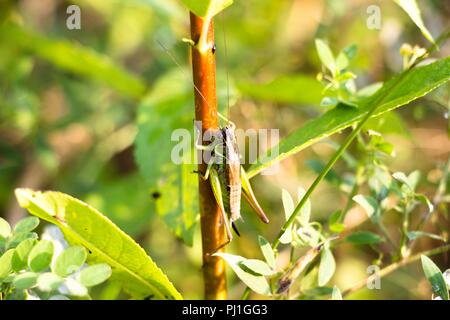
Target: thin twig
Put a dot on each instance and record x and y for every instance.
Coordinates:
(394, 266)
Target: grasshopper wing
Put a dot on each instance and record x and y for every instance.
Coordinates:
(250, 196)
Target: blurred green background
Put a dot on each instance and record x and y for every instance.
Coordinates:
(69, 102)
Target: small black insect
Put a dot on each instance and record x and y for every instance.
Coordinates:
(156, 195)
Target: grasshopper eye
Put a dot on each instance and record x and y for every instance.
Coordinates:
(213, 49)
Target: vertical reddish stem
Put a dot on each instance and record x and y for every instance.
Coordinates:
(204, 71)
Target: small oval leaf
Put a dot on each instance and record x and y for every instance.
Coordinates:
(70, 260)
(26, 225)
(40, 256)
(327, 267)
(94, 275)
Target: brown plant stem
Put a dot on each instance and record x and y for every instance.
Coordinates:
(212, 229)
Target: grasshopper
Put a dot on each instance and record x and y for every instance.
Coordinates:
(228, 178)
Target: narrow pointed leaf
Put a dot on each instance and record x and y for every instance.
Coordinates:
(327, 267)
(206, 8)
(412, 9)
(435, 277)
(267, 251)
(259, 284)
(397, 92)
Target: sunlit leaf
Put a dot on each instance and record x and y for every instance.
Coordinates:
(325, 55)
(40, 256)
(69, 261)
(20, 257)
(6, 263)
(94, 275)
(26, 225)
(83, 225)
(206, 8)
(412, 9)
(267, 251)
(256, 266)
(5, 229)
(336, 295)
(288, 205)
(369, 205)
(327, 266)
(71, 287)
(49, 281)
(259, 284)
(25, 280)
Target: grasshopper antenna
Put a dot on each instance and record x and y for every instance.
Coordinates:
(182, 70)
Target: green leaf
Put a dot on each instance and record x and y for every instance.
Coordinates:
(5, 229)
(48, 282)
(83, 225)
(25, 280)
(256, 266)
(6, 263)
(17, 238)
(58, 297)
(40, 256)
(434, 277)
(399, 91)
(422, 198)
(20, 257)
(75, 58)
(342, 61)
(69, 261)
(369, 205)
(327, 267)
(334, 223)
(364, 237)
(298, 89)
(71, 287)
(336, 295)
(26, 225)
(412, 9)
(206, 8)
(177, 204)
(94, 275)
(412, 235)
(267, 251)
(259, 284)
(350, 51)
(325, 55)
